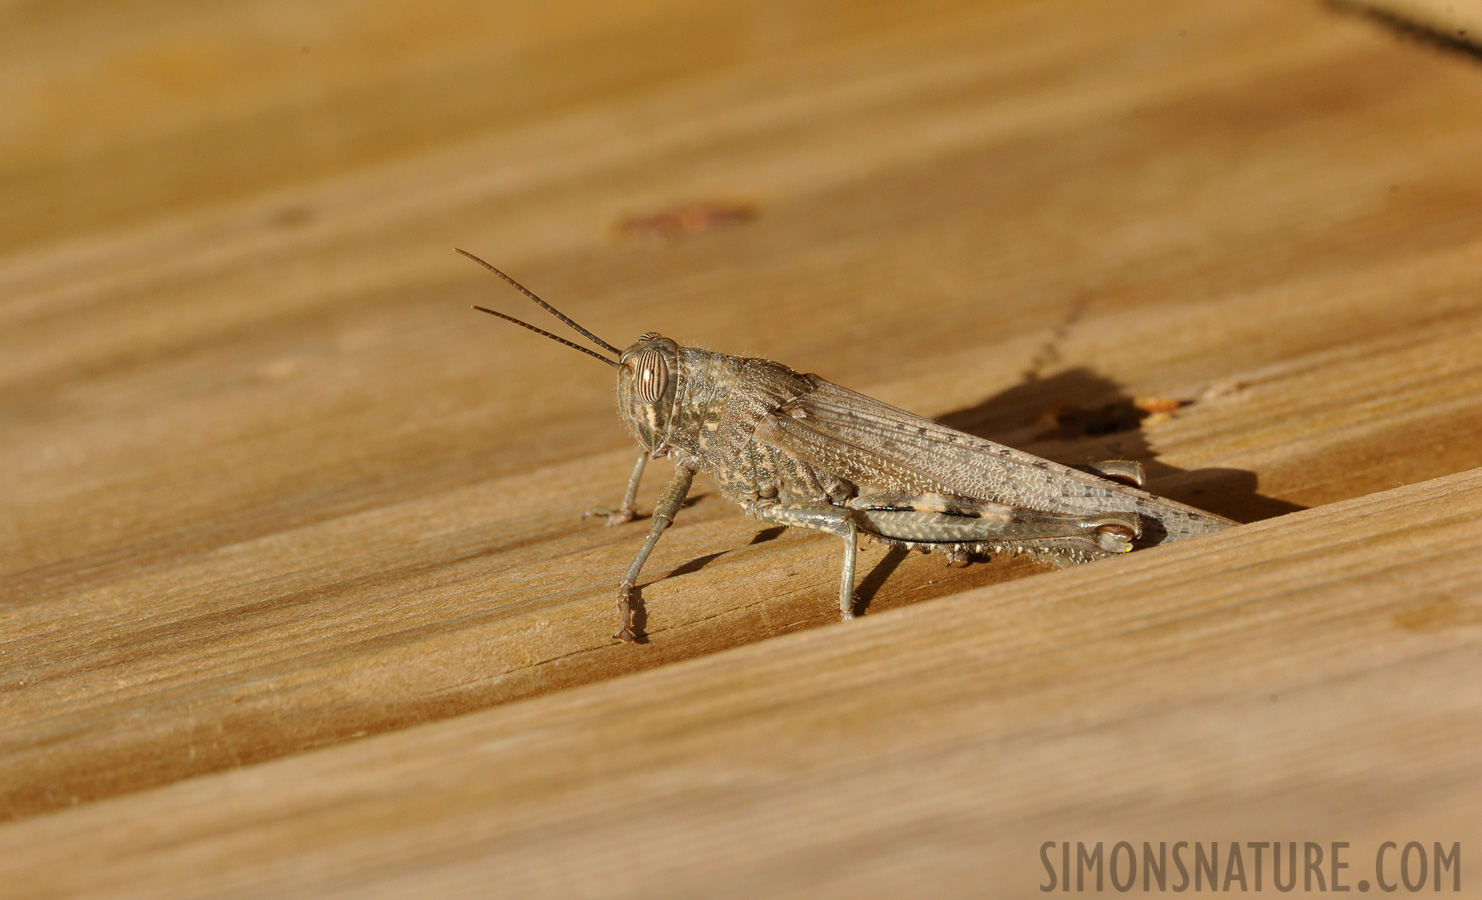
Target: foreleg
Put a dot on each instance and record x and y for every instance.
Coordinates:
(664, 512)
(630, 497)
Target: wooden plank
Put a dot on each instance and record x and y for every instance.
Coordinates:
(1309, 678)
(120, 112)
(268, 486)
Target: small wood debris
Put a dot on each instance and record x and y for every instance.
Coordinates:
(690, 218)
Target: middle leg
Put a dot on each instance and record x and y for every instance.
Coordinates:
(820, 517)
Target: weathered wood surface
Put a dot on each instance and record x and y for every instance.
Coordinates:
(1313, 677)
(268, 486)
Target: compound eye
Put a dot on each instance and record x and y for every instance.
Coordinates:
(653, 376)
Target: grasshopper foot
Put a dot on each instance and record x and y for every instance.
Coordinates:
(623, 515)
(631, 612)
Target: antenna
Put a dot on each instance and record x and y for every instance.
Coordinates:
(559, 340)
(548, 308)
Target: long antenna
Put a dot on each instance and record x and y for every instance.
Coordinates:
(548, 308)
(560, 340)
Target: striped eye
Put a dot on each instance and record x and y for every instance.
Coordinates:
(653, 376)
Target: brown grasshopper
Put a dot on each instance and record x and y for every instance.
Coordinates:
(793, 449)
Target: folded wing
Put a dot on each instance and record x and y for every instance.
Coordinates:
(881, 448)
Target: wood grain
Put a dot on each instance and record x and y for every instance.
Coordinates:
(268, 486)
(1311, 677)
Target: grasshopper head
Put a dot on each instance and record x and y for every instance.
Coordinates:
(648, 380)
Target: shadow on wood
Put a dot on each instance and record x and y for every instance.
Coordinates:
(1078, 416)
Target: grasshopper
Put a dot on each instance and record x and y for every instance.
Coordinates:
(795, 450)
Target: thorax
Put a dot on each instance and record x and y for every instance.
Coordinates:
(720, 402)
